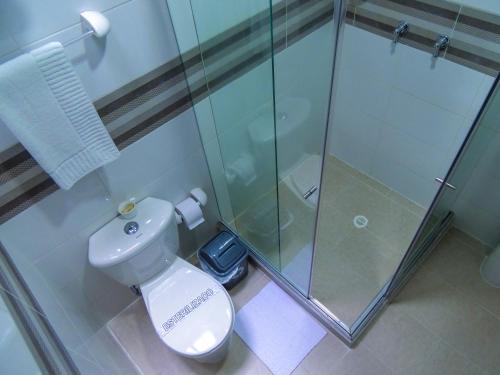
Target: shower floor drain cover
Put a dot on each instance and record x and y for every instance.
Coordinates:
(360, 221)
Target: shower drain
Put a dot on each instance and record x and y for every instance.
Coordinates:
(360, 221)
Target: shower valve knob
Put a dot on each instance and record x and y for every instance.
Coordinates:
(400, 30)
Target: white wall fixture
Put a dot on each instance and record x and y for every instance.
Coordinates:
(95, 24)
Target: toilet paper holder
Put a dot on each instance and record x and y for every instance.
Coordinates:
(191, 206)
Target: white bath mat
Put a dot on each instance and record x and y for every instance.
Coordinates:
(277, 329)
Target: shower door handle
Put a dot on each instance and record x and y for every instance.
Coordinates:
(448, 185)
(310, 192)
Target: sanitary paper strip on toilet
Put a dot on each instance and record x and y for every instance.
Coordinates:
(277, 329)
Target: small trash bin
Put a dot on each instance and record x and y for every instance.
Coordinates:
(225, 258)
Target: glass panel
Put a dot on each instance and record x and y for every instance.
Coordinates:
(479, 141)
(226, 46)
(304, 44)
(16, 355)
(28, 344)
(397, 125)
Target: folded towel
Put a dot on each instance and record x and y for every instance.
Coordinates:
(44, 104)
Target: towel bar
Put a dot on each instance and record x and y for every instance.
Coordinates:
(96, 25)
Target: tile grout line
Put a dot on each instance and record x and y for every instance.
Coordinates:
(120, 345)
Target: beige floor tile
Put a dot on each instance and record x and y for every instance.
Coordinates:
(359, 361)
(368, 256)
(248, 287)
(109, 355)
(323, 357)
(472, 242)
(458, 263)
(407, 347)
(457, 319)
(341, 290)
(85, 363)
(134, 331)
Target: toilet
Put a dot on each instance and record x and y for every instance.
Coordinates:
(191, 312)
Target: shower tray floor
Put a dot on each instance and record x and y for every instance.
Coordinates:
(354, 259)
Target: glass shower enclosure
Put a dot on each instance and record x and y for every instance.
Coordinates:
(251, 116)
(329, 131)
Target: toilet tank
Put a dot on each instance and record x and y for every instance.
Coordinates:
(132, 251)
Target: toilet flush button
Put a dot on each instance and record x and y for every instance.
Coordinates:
(131, 227)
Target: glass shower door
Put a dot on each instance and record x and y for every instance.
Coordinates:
(226, 47)
(401, 110)
(303, 66)
(262, 105)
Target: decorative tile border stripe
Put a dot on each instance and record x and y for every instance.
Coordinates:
(143, 105)
(474, 35)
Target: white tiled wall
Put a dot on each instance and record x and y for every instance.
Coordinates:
(477, 199)
(397, 116)
(49, 240)
(489, 6)
(132, 48)
(212, 19)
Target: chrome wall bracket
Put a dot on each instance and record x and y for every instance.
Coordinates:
(442, 42)
(400, 30)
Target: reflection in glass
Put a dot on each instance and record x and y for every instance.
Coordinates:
(229, 59)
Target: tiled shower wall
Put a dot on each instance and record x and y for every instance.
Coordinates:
(398, 117)
(48, 241)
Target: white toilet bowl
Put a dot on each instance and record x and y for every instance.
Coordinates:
(191, 312)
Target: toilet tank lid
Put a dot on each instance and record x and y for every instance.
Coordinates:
(111, 244)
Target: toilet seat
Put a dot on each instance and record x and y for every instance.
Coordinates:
(191, 312)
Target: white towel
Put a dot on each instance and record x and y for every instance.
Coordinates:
(44, 104)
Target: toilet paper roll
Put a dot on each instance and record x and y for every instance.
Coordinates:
(190, 212)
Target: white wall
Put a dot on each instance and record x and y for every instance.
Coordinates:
(397, 117)
(226, 116)
(49, 240)
(488, 6)
(132, 48)
(211, 19)
(477, 199)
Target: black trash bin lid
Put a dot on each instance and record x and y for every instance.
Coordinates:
(223, 252)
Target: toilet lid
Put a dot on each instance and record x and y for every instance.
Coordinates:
(191, 312)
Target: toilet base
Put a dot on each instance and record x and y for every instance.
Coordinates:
(216, 355)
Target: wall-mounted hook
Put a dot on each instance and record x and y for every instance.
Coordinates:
(400, 30)
(441, 43)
